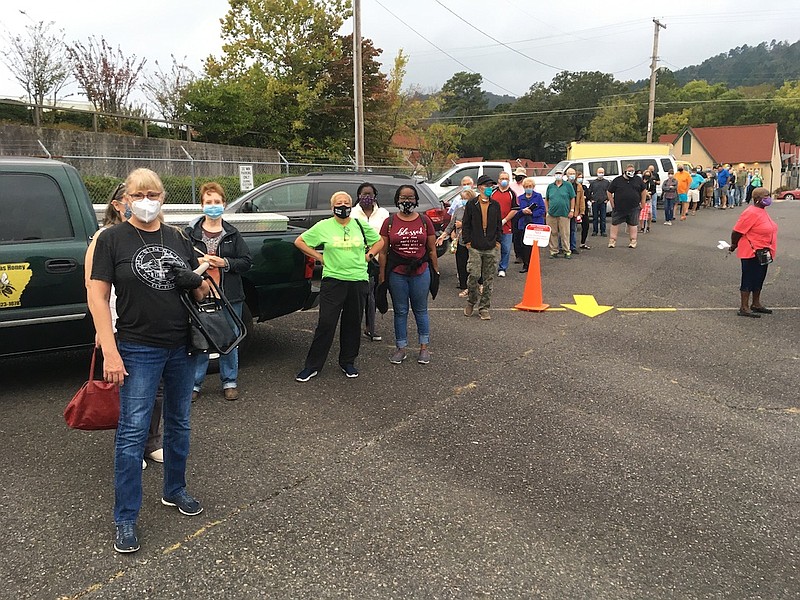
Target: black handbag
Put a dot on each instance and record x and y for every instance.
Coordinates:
(214, 325)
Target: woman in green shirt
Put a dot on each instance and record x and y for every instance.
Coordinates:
(349, 246)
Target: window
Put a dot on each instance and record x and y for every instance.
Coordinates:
(32, 208)
(493, 172)
(686, 144)
(610, 167)
(666, 165)
(282, 198)
(642, 163)
(455, 178)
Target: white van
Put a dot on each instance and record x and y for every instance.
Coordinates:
(453, 177)
(613, 166)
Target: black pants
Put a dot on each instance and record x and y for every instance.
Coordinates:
(337, 297)
(516, 236)
(462, 255)
(584, 229)
(526, 255)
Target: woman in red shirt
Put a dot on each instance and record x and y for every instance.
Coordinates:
(409, 244)
(754, 231)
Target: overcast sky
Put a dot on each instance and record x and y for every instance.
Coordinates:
(611, 36)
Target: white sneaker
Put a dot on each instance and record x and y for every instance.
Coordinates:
(156, 455)
(144, 464)
(501, 273)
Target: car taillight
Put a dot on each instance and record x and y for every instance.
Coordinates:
(309, 267)
(438, 216)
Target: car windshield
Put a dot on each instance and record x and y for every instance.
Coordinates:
(559, 167)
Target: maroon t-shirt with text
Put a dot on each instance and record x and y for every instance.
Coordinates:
(409, 239)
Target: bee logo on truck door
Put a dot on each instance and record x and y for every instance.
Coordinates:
(14, 278)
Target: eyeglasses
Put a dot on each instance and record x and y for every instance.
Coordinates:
(148, 195)
(406, 197)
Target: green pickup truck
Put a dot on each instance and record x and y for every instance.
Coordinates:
(46, 222)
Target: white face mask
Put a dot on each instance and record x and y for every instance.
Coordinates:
(146, 210)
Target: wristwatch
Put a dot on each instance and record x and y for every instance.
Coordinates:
(370, 256)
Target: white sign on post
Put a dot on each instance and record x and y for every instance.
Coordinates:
(538, 234)
(246, 178)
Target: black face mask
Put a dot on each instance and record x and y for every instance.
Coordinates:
(407, 207)
(519, 178)
(342, 211)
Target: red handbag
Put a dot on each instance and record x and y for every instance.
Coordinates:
(95, 406)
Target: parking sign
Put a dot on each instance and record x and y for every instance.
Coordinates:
(246, 178)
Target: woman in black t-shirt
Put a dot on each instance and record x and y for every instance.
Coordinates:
(149, 264)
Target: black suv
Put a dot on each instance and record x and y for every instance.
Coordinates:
(307, 199)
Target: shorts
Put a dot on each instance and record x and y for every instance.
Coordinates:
(723, 192)
(631, 217)
(683, 197)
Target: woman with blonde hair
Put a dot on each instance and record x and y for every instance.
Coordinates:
(150, 265)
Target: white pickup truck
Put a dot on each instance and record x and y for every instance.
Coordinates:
(453, 176)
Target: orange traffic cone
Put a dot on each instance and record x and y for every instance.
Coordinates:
(532, 296)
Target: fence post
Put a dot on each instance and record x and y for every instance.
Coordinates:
(144, 128)
(191, 167)
(46, 151)
(286, 162)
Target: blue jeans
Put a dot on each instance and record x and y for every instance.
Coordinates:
(228, 363)
(653, 206)
(506, 240)
(573, 237)
(669, 206)
(413, 288)
(146, 365)
(599, 216)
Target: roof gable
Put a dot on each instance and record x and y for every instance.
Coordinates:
(742, 143)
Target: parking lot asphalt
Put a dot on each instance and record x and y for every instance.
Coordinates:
(549, 455)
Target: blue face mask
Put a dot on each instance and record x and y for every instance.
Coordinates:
(214, 211)
(766, 201)
(504, 183)
(487, 191)
(529, 191)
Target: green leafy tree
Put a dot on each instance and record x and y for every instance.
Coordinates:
(462, 96)
(438, 143)
(576, 90)
(619, 121)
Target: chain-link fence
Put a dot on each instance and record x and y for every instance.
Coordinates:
(182, 173)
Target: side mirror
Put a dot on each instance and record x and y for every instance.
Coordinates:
(447, 183)
(247, 207)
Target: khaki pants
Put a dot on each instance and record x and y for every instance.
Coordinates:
(559, 229)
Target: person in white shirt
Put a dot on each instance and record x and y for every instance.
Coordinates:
(368, 210)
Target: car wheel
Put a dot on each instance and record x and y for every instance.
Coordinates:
(789, 197)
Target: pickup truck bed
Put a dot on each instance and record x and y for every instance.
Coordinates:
(46, 225)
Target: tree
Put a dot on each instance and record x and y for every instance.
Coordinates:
(462, 96)
(38, 61)
(166, 91)
(106, 76)
(576, 90)
(438, 142)
(291, 39)
(617, 122)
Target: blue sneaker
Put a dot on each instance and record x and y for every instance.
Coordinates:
(125, 540)
(184, 503)
(350, 370)
(306, 374)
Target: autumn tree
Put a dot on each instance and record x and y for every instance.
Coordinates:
(166, 90)
(105, 75)
(38, 60)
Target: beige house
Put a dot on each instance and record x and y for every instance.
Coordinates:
(755, 146)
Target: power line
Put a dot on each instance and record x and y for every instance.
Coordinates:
(497, 85)
(498, 41)
(606, 106)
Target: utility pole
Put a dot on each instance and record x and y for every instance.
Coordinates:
(358, 99)
(651, 107)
